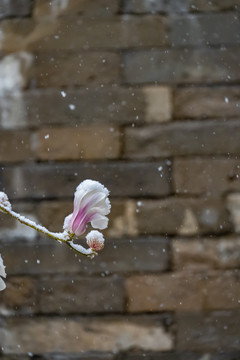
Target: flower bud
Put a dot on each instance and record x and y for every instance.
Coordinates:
(95, 240)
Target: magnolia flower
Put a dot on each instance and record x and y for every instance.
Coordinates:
(91, 204)
(95, 240)
(3, 274)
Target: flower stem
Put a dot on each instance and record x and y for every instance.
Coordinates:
(63, 237)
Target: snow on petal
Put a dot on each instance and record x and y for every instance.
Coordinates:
(2, 274)
(95, 240)
(91, 204)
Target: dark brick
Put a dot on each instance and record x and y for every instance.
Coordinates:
(182, 66)
(207, 29)
(193, 103)
(210, 331)
(122, 179)
(68, 69)
(118, 256)
(183, 138)
(172, 6)
(181, 356)
(16, 8)
(210, 177)
(182, 216)
(75, 295)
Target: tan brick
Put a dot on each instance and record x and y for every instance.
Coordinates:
(223, 253)
(183, 291)
(193, 103)
(158, 103)
(182, 216)
(66, 69)
(81, 334)
(78, 143)
(15, 146)
(19, 296)
(93, 8)
(74, 33)
(207, 176)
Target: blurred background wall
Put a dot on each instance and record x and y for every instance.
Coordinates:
(144, 96)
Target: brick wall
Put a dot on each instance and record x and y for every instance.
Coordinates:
(144, 96)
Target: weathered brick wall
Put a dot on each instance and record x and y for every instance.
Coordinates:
(144, 96)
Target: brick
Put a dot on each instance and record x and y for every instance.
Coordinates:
(183, 138)
(74, 33)
(210, 177)
(155, 6)
(233, 205)
(182, 355)
(202, 103)
(82, 143)
(190, 66)
(222, 253)
(17, 8)
(15, 146)
(119, 256)
(44, 180)
(204, 29)
(12, 229)
(73, 334)
(14, 73)
(20, 296)
(183, 291)
(182, 216)
(159, 103)
(73, 295)
(65, 69)
(113, 105)
(218, 330)
(95, 8)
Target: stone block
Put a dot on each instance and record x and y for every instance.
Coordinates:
(175, 6)
(210, 176)
(158, 103)
(181, 355)
(216, 331)
(71, 143)
(81, 334)
(17, 8)
(233, 205)
(222, 253)
(204, 103)
(184, 291)
(20, 296)
(183, 138)
(190, 66)
(76, 33)
(121, 178)
(182, 216)
(64, 69)
(16, 146)
(204, 29)
(76, 295)
(92, 9)
(125, 255)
